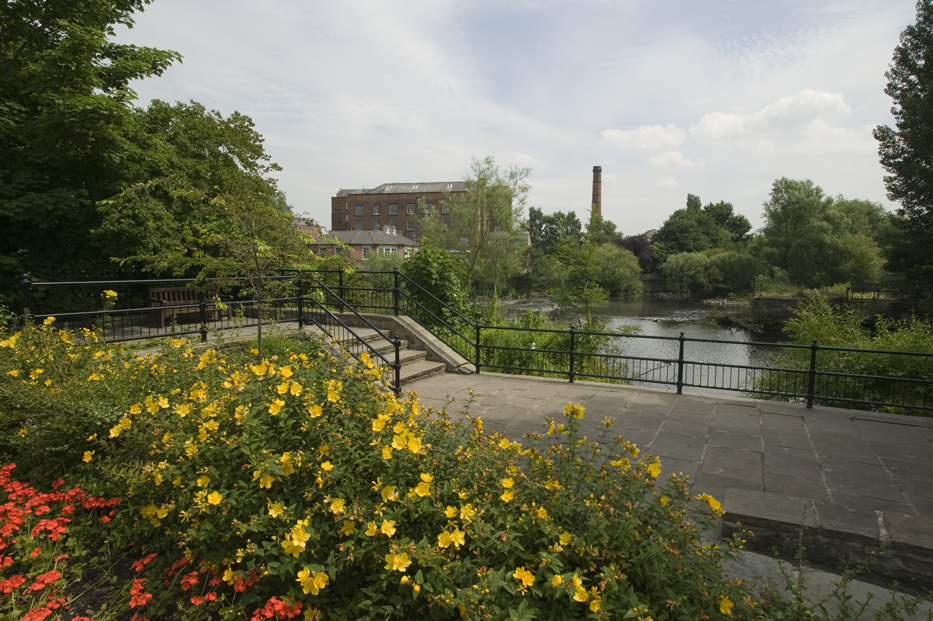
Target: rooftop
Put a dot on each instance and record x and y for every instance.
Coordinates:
(367, 238)
(409, 188)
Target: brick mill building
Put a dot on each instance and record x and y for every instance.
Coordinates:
(392, 206)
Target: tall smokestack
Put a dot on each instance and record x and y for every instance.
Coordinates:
(598, 189)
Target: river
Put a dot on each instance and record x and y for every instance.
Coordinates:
(668, 318)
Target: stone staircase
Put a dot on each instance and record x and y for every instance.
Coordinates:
(414, 362)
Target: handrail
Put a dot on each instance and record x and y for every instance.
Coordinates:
(397, 366)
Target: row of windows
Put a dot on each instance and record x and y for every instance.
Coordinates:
(393, 209)
(377, 225)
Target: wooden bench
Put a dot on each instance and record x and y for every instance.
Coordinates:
(182, 296)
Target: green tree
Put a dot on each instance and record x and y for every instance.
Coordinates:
(602, 231)
(435, 272)
(906, 151)
(546, 231)
(688, 273)
(619, 270)
(486, 231)
(735, 272)
(193, 157)
(819, 240)
(65, 109)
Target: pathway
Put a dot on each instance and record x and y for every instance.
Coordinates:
(856, 479)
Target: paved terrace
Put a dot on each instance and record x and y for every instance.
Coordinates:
(855, 479)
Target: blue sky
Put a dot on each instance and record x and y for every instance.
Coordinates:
(714, 98)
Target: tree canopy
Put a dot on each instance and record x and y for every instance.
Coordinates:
(906, 151)
(820, 240)
(485, 228)
(65, 116)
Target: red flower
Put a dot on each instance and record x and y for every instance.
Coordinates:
(189, 581)
(197, 600)
(58, 483)
(138, 565)
(13, 583)
(35, 553)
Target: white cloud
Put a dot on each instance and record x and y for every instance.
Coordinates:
(673, 158)
(667, 182)
(646, 137)
(808, 121)
(523, 159)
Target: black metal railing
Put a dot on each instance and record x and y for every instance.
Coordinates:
(120, 318)
(835, 376)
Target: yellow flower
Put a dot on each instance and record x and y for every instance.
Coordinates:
(348, 527)
(315, 410)
(594, 605)
(663, 500)
(507, 483)
(542, 513)
(214, 498)
(265, 481)
(457, 538)
(311, 582)
(467, 512)
(580, 595)
(388, 527)
(422, 489)
(388, 493)
(295, 389)
(507, 496)
(48, 321)
(276, 406)
(414, 444)
(714, 504)
(524, 576)
(400, 441)
(259, 369)
(109, 294)
(204, 480)
(94, 377)
(88, 456)
(565, 538)
(380, 422)
(443, 540)
(13, 373)
(725, 606)
(183, 409)
(282, 388)
(397, 562)
(478, 423)
(557, 580)
(575, 411)
(450, 512)
(36, 373)
(371, 529)
(275, 509)
(333, 390)
(427, 478)
(285, 372)
(387, 452)
(136, 408)
(338, 506)
(654, 468)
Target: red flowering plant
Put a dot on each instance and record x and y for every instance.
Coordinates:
(43, 537)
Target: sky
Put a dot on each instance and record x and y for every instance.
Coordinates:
(717, 98)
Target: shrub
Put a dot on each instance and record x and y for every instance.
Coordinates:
(295, 486)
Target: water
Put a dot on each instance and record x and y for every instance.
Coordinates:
(668, 318)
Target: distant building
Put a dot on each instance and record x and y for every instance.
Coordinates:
(308, 227)
(364, 245)
(391, 204)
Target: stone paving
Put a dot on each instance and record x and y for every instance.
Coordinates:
(863, 478)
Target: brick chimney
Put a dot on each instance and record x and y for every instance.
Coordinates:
(598, 189)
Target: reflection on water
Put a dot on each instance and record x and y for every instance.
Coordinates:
(668, 318)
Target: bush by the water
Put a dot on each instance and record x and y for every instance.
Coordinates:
(888, 377)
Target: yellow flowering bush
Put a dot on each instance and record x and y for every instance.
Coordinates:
(296, 486)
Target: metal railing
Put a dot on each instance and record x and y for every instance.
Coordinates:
(811, 374)
(210, 313)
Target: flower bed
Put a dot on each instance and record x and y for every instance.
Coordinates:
(294, 487)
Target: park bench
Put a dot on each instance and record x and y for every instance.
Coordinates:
(161, 297)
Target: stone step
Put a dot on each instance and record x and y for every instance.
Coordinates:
(420, 369)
